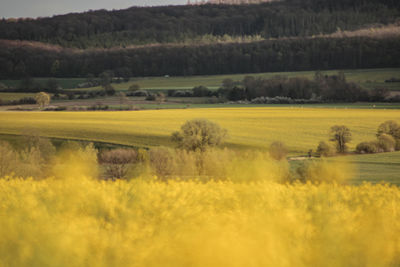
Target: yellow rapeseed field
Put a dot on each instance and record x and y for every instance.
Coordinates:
(84, 222)
(252, 217)
(300, 129)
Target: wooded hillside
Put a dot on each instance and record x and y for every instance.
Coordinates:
(290, 35)
(171, 24)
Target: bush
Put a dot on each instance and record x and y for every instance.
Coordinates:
(278, 150)
(98, 107)
(215, 165)
(322, 171)
(162, 161)
(117, 162)
(391, 128)
(325, 150)
(118, 156)
(367, 147)
(70, 95)
(139, 93)
(201, 91)
(75, 159)
(151, 97)
(182, 94)
(134, 88)
(30, 161)
(3, 86)
(59, 108)
(42, 99)
(109, 90)
(8, 159)
(199, 134)
(386, 143)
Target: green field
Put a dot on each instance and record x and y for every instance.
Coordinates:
(65, 83)
(15, 96)
(375, 167)
(368, 78)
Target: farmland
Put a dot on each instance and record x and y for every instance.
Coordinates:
(66, 83)
(143, 221)
(300, 128)
(369, 78)
(217, 133)
(375, 168)
(79, 221)
(14, 96)
(365, 77)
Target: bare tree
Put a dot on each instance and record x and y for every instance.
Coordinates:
(117, 161)
(341, 135)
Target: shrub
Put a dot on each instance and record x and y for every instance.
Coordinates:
(3, 86)
(201, 91)
(367, 147)
(322, 171)
(142, 155)
(8, 159)
(134, 88)
(43, 145)
(42, 99)
(278, 150)
(139, 93)
(160, 97)
(98, 106)
(162, 161)
(151, 97)
(391, 128)
(325, 150)
(117, 162)
(109, 90)
(199, 134)
(182, 94)
(386, 142)
(70, 95)
(75, 159)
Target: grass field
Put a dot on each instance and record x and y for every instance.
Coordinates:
(375, 167)
(300, 128)
(15, 96)
(368, 78)
(66, 83)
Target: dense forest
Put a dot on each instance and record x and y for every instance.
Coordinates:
(292, 37)
(171, 24)
(264, 56)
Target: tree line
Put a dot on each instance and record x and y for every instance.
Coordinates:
(281, 90)
(138, 25)
(298, 54)
(387, 140)
(196, 156)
